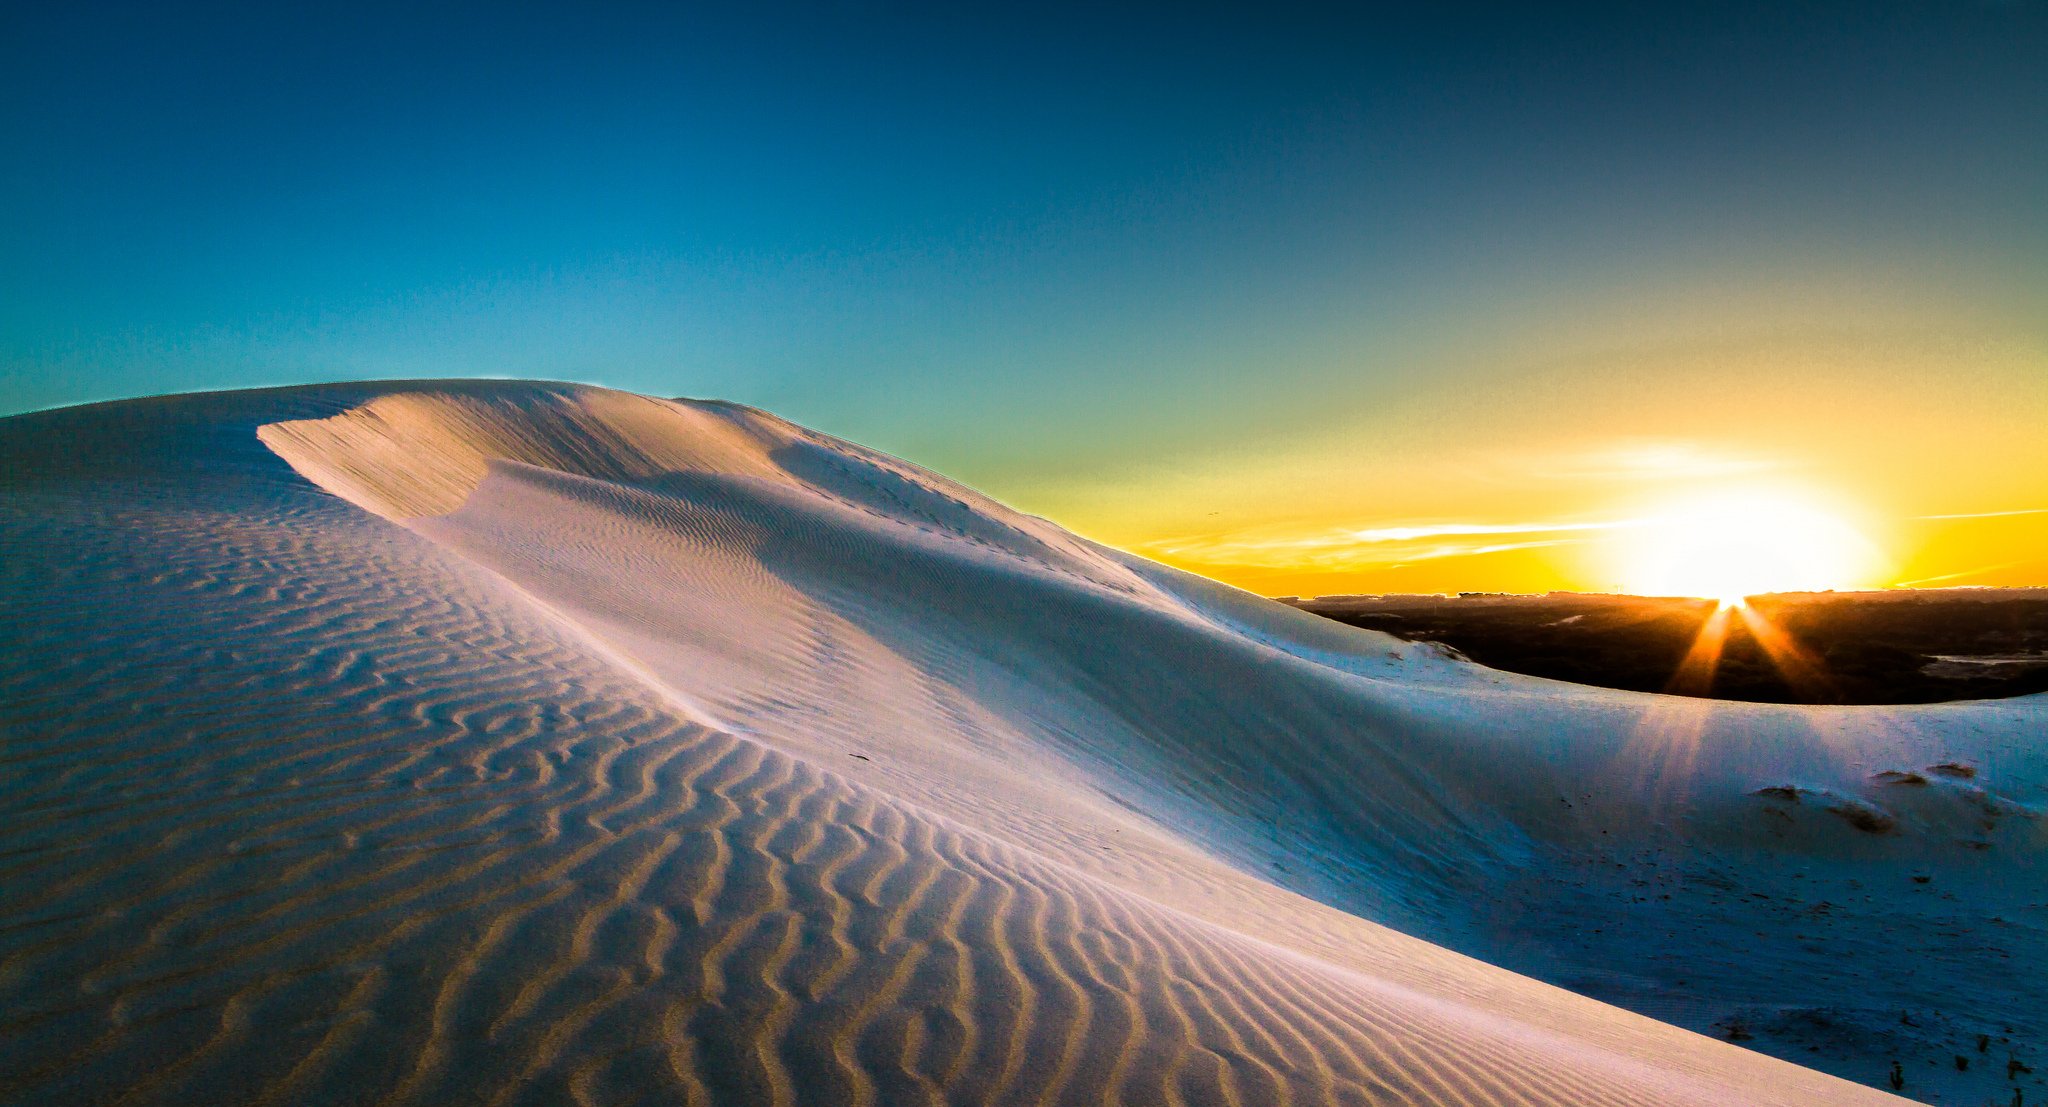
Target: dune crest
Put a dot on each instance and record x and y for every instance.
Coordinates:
(505, 741)
(416, 454)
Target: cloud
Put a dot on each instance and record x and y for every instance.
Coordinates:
(1457, 550)
(1977, 572)
(1376, 546)
(1443, 530)
(1990, 514)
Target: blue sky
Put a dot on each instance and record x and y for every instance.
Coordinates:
(1026, 245)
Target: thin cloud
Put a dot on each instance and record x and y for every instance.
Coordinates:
(1503, 547)
(1452, 530)
(1990, 514)
(1978, 572)
(1377, 546)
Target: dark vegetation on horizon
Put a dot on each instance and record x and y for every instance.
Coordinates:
(1853, 647)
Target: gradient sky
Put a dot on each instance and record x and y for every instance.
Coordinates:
(1403, 299)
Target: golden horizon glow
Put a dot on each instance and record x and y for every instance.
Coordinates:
(1725, 544)
(1914, 462)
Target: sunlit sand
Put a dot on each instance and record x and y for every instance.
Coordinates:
(505, 742)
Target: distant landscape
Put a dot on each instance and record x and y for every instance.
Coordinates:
(1858, 647)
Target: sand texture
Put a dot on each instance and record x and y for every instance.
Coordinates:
(494, 742)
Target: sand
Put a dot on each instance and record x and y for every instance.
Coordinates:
(494, 742)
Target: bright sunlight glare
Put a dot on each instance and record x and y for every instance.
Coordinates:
(1738, 544)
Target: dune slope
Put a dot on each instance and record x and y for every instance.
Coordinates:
(495, 742)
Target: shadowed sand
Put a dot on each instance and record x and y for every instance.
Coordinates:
(498, 742)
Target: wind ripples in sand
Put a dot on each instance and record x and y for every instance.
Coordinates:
(302, 806)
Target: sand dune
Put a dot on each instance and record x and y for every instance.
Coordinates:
(499, 742)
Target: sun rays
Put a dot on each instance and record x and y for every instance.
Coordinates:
(1803, 672)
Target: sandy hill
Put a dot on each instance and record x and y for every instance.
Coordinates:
(490, 742)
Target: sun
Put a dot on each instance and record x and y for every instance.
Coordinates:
(1732, 545)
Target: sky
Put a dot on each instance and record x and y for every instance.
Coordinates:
(1390, 299)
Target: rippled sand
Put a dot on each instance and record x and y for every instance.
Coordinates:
(498, 742)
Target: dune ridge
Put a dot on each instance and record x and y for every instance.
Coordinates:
(504, 742)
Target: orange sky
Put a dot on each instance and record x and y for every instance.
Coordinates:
(1922, 460)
